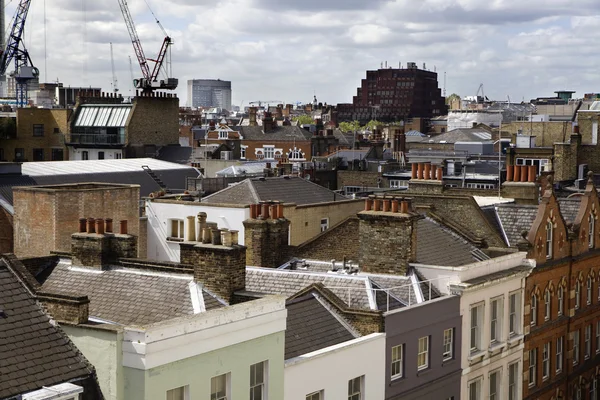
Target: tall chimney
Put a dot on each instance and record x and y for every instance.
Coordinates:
(268, 122)
(266, 235)
(252, 116)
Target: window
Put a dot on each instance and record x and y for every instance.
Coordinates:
(533, 314)
(219, 387)
(269, 153)
(494, 385)
(243, 151)
(591, 223)
(496, 320)
(549, 239)
(100, 155)
(423, 353)
(559, 355)
(513, 315)
(575, 347)
(532, 366)
(324, 224)
(588, 341)
(448, 344)
(597, 337)
(315, 396)
(85, 155)
(176, 226)
(56, 130)
(476, 318)
(397, 361)
(295, 154)
(257, 381)
(547, 305)
(577, 295)
(475, 389)
(19, 154)
(179, 393)
(223, 134)
(546, 361)
(594, 389)
(57, 155)
(38, 154)
(355, 388)
(561, 296)
(513, 381)
(38, 129)
(480, 186)
(589, 290)
(577, 390)
(398, 184)
(118, 156)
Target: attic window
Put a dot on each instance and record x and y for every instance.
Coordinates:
(223, 135)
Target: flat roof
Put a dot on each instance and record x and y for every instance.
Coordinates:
(46, 168)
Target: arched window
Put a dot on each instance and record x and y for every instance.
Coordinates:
(547, 305)
(590, 284)
(561, 297)
(591, 231)
(533, 309)
(549, 234)
(577, 295)
(295, 154)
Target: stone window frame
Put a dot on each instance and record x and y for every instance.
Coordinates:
(589, 289)
(497, 324)
(38, 130)
(318, 395)
(562, 289)
(587, 342)
(256, 383)
(513, 387)
(496, 395)
(597, 337)
(549, 239)
(591, 229)
(533, 309)
(475, 385)
(576, 346)
(514, 314)
(476, 331)
(547, 304)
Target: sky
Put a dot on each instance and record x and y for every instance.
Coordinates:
(290, 50)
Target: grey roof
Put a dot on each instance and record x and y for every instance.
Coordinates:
(514, 219)
(175, 154)
(461, 135)
(285, 189)
(415, 133)
(279, 133)
(357, 290)
(247, 168)
(312, 325)
(569, 208)
(498, 275)
(127, 297)
(33, 352)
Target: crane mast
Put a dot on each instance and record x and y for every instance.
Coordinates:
(15, 51)
(149, 80)
(114, 75)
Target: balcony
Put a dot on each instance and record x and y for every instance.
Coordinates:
(96, 140)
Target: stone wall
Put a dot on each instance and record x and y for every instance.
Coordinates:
(334, 244)
(64, 308)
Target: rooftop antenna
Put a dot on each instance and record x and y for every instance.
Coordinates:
(112, 65)
(444, 83)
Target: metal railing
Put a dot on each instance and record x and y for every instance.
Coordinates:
(92, 138)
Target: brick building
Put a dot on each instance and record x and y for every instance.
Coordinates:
(562, 300)
(395, 94)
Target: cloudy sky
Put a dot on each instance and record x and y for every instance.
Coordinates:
(289, 49)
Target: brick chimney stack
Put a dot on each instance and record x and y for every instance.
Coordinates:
(219, 260)
(252, 116)
(266, 235)
(268, 122)
(388, 235)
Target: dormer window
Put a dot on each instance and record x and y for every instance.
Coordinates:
(591, 231)
(549, 234)
(223, 135)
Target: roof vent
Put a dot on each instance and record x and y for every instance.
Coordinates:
(2, 314)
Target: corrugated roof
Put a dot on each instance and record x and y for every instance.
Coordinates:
(41, 168)
(114, 115)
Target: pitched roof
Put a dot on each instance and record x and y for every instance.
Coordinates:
(461, 135)
(279, 133)
(313, 325)
(127, 296)
(175, 154)
(514, 219)
(34, 352)
(285, 189)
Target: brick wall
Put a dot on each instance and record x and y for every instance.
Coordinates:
(357, 178)
(334, 244)
(267, 242)
(6, 231)
(565, 162)
(153, 121)
(546, 133)
(45, 217)
(64, 308)
(285, 146)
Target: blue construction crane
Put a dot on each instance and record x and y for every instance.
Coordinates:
(16, 52)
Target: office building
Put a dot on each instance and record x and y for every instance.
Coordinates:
(209, 93)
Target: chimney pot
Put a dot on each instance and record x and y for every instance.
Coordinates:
(523, 173)
(420, 171)
(100, 226)
(265, 210)
(123, 227)
(509, 172)
(427, 173)
(234, 237)
(206, 235)
(215, 236)
(108, 225)
(377, 205)
(280, 210)
(532, 173)
(395, 205)
(414, 167)
(386, 205)
(82, 225)
(368, 204)
(91, 227)
(226, 237)
(517, 173)
(404, 207)
(191, 228)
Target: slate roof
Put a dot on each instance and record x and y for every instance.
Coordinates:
(279, 133)
(175, 154)
(497, 275)
(127, 297)
(569, 208)
(356, 291)
(461, 135)
(514, 219)
(311, 326)
(438, 245)
(286, 189)
(33, 352)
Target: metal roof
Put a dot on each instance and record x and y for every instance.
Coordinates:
(114, 115)
(44, 168)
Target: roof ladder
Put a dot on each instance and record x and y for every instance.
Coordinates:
(156, 179)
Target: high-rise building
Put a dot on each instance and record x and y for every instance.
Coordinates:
(395, 94)
(209, 93)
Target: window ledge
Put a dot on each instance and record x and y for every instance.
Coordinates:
(423, 371)
(515, 339)
(497, 346)
(476, 356)
(174, 239)
(448, 361)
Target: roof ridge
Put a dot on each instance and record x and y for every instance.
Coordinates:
(346, 324)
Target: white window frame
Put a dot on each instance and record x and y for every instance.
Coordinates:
(214, 390)
(397, 366)
(476, 325)
(496, 313)
(549, 236)
(423, 353)
(514, 317)
(254, 383)
(590, 287)
(547, 305)
(186, 393)
(559, 354)
(561, 300)
(576, 339)
(546, 361)
(324, 225)
(398, 184)
(474, 389)
(352, 189)
(180, 234)
(352, 393)
(513, 381)
(495, 390)
(243, 152)
(533, 310)
(532, 370)
(318, 395)
(448, 348)
(223, 135)
(269, 152)
(588, 342)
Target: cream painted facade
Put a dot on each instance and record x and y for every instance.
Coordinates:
(143, 363)
(479, 285)
(328, 370)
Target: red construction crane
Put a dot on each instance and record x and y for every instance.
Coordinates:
(149, 80)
